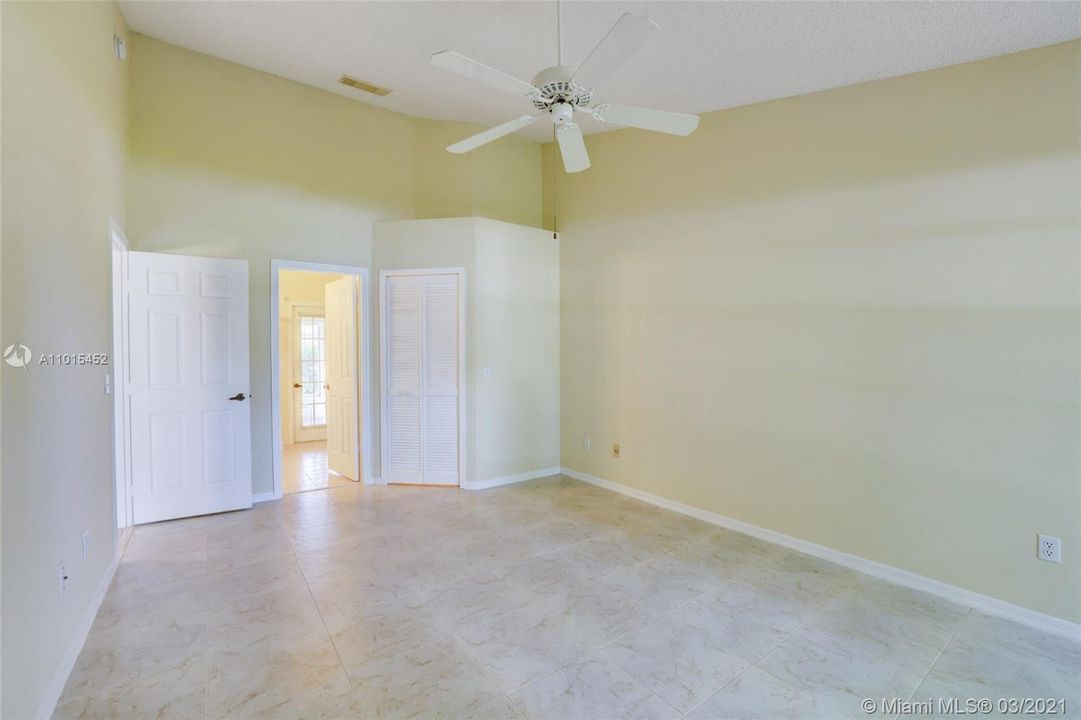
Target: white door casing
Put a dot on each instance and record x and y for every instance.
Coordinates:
(341, 358)
(422, 376)
(190, 440)
(121, 428)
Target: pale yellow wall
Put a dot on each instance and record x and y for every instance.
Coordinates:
(501, 181)
(851, 317)
(511, 307)
(302, 287)
(231, 162)
(64, 119)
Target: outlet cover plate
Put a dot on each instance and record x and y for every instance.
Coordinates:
(1050, 549)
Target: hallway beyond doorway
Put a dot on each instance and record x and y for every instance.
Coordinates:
(304, 468)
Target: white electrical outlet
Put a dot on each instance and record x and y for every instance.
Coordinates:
(589, 444)
(1050, 549)
(62, 579)
(86, 544)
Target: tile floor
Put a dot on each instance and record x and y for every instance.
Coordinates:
(304, 468)
(547, 599)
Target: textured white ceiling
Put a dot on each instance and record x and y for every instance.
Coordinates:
(710, 55)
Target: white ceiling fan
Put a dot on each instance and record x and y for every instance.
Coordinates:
(562, 91)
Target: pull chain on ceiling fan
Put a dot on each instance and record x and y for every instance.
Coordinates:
(562, 91)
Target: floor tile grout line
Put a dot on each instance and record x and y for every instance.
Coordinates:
(760, 658)
(326, 628)
(817, 614)
(941, 652)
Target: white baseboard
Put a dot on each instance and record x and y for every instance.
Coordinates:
(263, 497)
(983, 603)
(509, 479)
(67, 664)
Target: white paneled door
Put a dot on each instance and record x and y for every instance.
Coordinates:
(341, 387)
(422, 388)
(190, 412)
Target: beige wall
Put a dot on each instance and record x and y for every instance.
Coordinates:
(851, 317)
(501, 181)
(228, 161)
(64, 126)
(512, 326)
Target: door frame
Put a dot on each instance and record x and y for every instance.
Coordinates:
(118, 249)
(462, 398)
(294, 362)
(363, 380)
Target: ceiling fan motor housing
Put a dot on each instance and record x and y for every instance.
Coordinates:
(555, 85)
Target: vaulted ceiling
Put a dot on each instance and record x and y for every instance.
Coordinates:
(710, 55)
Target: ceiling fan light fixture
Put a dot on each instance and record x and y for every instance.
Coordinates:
(561, 91)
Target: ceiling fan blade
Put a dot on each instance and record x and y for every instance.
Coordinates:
(628, 36)
(470, 68)
(663, 121)
(572, 146)
(483, 138)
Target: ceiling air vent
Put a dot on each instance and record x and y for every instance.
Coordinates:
(365, 86)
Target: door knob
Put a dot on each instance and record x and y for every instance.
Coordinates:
(238, 396)
(296, 385)
(327, 387)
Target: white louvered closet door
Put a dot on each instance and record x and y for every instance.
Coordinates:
(422, 378)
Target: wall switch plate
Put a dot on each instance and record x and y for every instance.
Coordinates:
(615, 450)
(62, 579)
(486, 373)
(588, 444)
(86, 544)
(1050, 549)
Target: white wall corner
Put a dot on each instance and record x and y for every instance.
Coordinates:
(977, 601)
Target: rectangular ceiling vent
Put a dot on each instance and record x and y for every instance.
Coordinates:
(365, 86)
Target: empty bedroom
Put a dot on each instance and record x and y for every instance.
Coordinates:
(540, 359)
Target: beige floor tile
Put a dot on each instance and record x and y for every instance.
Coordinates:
(465, 603)
(843, 675)
(525, 645)
(747, 622)
(660, 584)
(680, 663)
(176, 694)
(400, 602)
(594, 689)
(994, 658)
(385, 631)
(279, 678)
(122, 655)
(756, 695)
(436, 681)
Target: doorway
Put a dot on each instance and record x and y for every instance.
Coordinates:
(319, 341)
